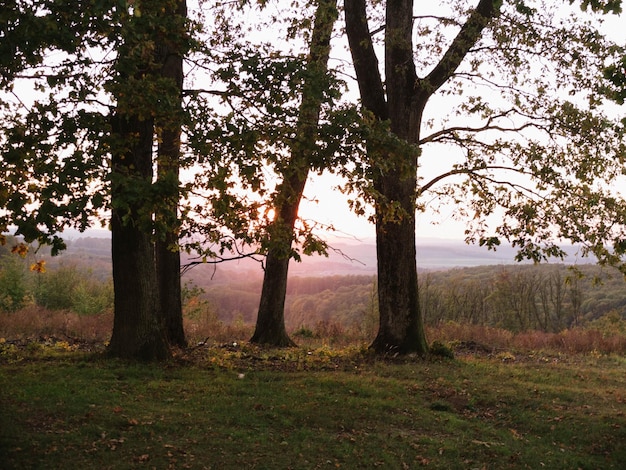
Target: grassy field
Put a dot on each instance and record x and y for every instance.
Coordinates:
(237, 406)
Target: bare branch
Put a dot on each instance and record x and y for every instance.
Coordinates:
(489, 126)
(218, 260)
(473, 172)
(466, 38)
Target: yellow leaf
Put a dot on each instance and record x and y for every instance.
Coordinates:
(39, 266)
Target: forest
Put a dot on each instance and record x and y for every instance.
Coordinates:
(224, 323)
(549, 298)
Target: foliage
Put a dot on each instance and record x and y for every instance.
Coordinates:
(248, 128)
(609, 324)
(535, 144)
(68, 288)
(63, 287)
(437, 348)
(55, 54)
(14, 283)
(547, 298)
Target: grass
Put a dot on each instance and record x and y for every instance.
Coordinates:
(238, 406)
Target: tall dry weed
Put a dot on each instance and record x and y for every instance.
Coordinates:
(34, 321)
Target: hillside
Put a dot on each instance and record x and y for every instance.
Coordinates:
(458, 283)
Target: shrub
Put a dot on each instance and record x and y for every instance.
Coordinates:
(91, 297)
(14, 283)
(609, 324)
(69, 288)
(304, 332)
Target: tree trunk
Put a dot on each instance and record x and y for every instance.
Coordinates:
(167, 250)
(168, 270)
(137, 329)
(401, 327)
(270, 325)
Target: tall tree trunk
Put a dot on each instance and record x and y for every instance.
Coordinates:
(270, 325)
(168, 163)
(401, 328)
(154, 40)
(401, 102)
(401, 325)
(168, 264)
(137, 329)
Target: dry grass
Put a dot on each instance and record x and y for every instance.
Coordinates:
(575, 341)
(33, 322)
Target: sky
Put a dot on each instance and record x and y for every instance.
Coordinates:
(329, 206)
(325, 204)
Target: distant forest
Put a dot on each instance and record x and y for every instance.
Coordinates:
(546, 297)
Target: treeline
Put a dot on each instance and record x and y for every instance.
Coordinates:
(547, 297)
(309, 300)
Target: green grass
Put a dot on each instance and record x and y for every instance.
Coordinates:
(245, 407)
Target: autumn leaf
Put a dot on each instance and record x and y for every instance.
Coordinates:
(39, 267)
(21, 249)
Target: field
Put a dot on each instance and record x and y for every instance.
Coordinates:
(227, 406)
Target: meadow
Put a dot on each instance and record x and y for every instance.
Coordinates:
(233, 405)
(489, 397)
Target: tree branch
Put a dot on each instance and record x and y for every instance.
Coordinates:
(466, 38)
(489, 126)
(474, 172)
(364, 59)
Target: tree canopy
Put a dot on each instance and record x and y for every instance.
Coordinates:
(504, 109)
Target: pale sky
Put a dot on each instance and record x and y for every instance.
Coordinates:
(331, 206)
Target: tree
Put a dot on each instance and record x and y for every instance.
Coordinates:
(57, 149)
(53, 168)
(538, 151)
(174, 46)
(280, 119)
(270, 324)
(148, 312)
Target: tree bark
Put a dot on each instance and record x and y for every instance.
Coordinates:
(137, 330)
(270, 325)
(168, 164)
(154, 41)
(401, 103)
(168, 270)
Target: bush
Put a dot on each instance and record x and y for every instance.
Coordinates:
(304, 332)
(68, 288)
(609, 324)
(92, 297)
(14, 283)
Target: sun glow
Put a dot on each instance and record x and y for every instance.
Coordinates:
(270, 214)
